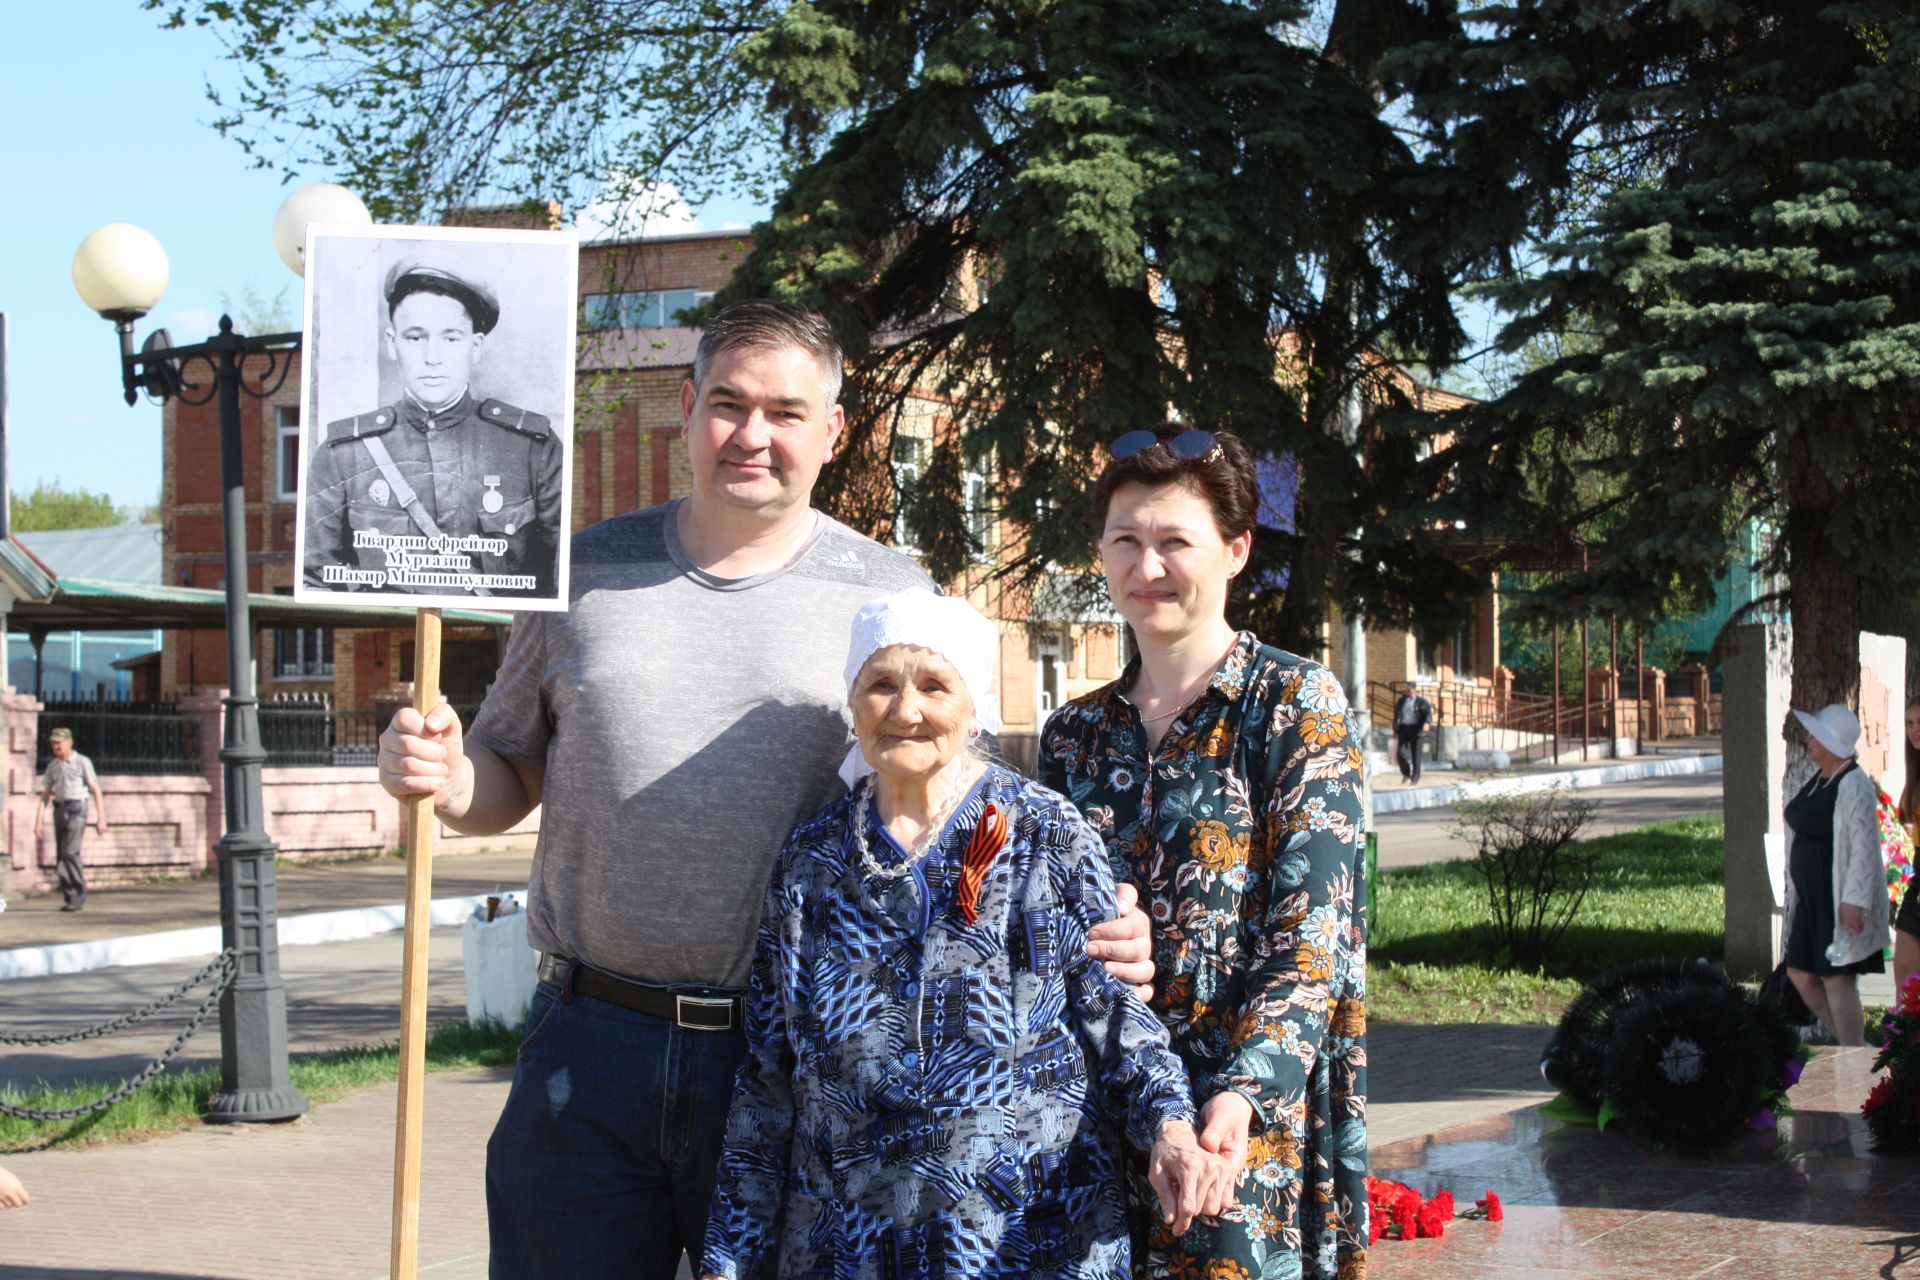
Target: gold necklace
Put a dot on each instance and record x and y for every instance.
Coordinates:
(1192, 689)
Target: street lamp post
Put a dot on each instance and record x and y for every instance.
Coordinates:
(121, 271)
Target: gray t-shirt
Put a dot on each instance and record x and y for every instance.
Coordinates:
(686, 724)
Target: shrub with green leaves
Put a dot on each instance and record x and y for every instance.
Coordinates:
(1527, 848)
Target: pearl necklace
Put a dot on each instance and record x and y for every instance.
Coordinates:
(921, 847)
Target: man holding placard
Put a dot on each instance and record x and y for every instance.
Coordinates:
(675, 723)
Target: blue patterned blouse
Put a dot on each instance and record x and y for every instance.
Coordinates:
(922, 1097)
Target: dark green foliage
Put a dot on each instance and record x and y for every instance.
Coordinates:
(1166, 203)
(1749, 299)
(1071, 218)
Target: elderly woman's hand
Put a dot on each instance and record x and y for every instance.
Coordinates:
(1226, 1118)
(1852, 918)
(1126, 943)
(1180, 1173)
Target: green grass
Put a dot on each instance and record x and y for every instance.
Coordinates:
(175, 1101)
(1657, 891)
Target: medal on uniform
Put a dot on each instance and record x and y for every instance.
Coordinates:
(491, 501)
(379, 492)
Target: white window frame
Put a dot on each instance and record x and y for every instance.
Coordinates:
(982, 525)
(286, 445)
(647, 307)
(1048, 643)
(906, 473)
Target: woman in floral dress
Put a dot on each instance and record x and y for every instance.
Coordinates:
(1224, 776)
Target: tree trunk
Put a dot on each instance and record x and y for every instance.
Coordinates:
(1826, 588)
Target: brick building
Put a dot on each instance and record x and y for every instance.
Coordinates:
(626, 454)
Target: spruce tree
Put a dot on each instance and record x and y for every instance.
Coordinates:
(1071, 218)
(1748, 295)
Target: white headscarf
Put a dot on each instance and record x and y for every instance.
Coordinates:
(950, 627)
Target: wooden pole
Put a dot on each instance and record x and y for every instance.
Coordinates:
(1640, 687)
(413, 974)
(1556, 691)
(1613, 681)
(1586, 688)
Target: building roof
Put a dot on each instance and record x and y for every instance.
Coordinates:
(80, 604)
(112, 553)
(44, 601)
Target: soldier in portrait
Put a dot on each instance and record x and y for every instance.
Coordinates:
(444, 490)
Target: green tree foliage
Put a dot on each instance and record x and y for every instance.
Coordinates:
(1751, 299)
(1071, 217)
(423, 105)
(50, 507)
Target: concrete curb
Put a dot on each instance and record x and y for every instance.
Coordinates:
(1385, 802)
(187, 944)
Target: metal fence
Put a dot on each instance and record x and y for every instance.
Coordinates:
(123, 737)
(306, 729)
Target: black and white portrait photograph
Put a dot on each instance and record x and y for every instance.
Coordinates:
(437, 415)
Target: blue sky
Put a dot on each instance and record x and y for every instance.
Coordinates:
(103, 118)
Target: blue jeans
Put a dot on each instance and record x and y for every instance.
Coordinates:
(602, 1164)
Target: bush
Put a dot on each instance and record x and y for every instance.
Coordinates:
(1527, 849)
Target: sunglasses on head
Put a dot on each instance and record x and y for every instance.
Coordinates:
(1194, 445)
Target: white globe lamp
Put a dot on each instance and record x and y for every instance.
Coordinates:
(121, 271)
(325, 203)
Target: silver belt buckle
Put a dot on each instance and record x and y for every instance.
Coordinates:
(687, 1010)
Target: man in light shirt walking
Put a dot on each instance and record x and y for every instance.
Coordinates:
(67, 783)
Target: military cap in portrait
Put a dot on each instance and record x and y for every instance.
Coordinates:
(411, 275)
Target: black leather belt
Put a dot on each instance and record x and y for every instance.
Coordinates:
(695, 1010)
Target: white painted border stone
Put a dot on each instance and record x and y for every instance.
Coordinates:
(1406, 801)
(187, 944)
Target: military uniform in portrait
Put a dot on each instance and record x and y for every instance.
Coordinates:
(479, 469)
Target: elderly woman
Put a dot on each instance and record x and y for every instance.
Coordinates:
(1225, 778)
(934, 1063)
(1837, 905)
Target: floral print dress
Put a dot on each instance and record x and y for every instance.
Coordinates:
(926, 1097)
(1242, 830)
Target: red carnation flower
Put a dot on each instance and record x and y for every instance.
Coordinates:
(1433, 1222)
(1492, 1206)
(1876, 1096)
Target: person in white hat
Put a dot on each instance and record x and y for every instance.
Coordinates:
(1837, 913)
(935, 1064)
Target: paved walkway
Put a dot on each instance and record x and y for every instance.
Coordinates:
(165, 1209)
(37, 921)
(1807, 1203)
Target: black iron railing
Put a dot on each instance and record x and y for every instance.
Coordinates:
(309, 731)
(124, 737)
(302, 730)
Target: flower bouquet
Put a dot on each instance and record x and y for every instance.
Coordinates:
(1896, 850)
(1892, 1109)
(1395, 1211)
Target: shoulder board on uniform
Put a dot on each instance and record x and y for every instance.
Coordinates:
(367, 424)
(525, 421)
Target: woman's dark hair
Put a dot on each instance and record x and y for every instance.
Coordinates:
(1909, 808)
(1224, 479)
